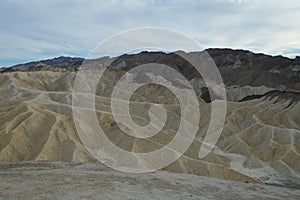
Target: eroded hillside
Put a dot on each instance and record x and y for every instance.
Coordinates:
(260, 141)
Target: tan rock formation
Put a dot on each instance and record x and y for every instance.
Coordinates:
(260, 141)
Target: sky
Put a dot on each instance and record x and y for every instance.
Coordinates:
(34, 29)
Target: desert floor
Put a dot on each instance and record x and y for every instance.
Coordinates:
(57, 180)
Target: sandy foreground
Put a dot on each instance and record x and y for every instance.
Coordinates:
(56, 180)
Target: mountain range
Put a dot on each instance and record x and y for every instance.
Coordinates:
(260, 141)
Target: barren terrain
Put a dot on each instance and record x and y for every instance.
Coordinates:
(72, 181)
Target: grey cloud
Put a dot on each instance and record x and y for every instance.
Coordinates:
(32, 30)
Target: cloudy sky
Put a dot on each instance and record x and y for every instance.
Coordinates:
(34, 29)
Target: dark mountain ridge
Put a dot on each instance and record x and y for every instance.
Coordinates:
(222, 58)
(63, 63)
(237, 67)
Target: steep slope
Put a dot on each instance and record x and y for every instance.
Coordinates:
(259, 143)
(238, 67)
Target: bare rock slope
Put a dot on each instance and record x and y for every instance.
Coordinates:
(260, 141)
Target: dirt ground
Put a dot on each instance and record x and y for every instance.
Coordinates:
(56, 180)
